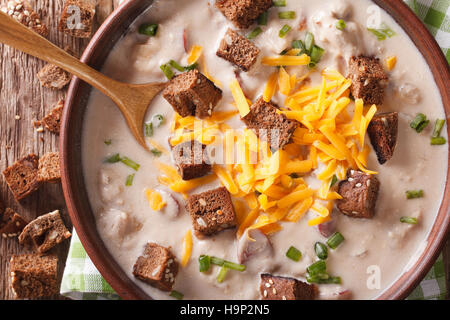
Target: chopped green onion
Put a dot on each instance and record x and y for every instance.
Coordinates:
(340, 25)
(108, 142)
(328, 280)
(298, 44)
(316, 54)
(217, 261)
(256, 32)
(334, 180)
(148, 127)
(408, 220)
(380, 36)
(177, 295)
(205, 262)
(293, 253)
(284, 31)
(414, 194)
(130, 163)
(319, 267)
(279, 3)
(175, 65)
(191, 67)
(422, 126)
(309, 42)
(383, 32)
(148, 29)
(321, 250)
(287, 15)
(113, 159)
(419, 123)
(130, 179)
(222, 274)
(156, 152)
(439, 124)
(158, 120)
(262, 19)
(438, 141)
(335, 240)
(227, 264)
(166, 69)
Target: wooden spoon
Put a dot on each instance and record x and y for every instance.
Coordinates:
(132, 99)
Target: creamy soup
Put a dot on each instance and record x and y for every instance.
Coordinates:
(375, 251)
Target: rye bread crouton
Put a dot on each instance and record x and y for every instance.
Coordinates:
(268, 125)
(211, 212)
(11, 223)
(53, 77)
(81, 26)
(157, 267)
(238, 50)
(34, 275)
(368, 79)
(191, 160)
(52, 121)
(22, 11)
(22, 176)
(49, 170)
(191, 93)
(283, 288)
(359, 195)
(45, 232)
(243, 13)
(383, 131)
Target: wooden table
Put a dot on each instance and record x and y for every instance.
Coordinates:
(23, 100)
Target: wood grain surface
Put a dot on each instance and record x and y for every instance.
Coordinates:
(22, 101)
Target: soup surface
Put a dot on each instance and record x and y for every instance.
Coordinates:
(375, 251)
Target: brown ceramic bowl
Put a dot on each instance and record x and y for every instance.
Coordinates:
(72, 174)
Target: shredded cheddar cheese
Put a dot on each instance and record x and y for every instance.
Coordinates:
(239, 97)
(187, 248)
(155, 199)
(391, 62)
(195, 54)
(278, 61)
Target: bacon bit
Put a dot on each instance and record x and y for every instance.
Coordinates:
(185, 42)
(302, 24)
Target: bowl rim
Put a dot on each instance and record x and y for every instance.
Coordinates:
(127, 289)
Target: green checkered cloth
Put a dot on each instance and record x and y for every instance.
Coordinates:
(82, 280)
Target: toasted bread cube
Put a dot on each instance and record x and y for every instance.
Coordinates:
(238, 50)
(268, 125)
(22, 11)
(191, 93)
(283, 288)
(383, 131)
(84, 11)
(22, 176)
(360, 193)
(243, 13)
(11, 223)
(53, 77)
(49, 170)
(157, 267)
(52, 121)
(211, 212)
(191, 160)
(45, 232)
(34, 275)
(368, 79)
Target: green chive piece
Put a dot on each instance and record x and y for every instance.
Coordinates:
(438, 141)
(380, 36)
(156, 152)
(309, 42)
(316, 54)
(279, 3)
(414, 194)
(204, 262)
(317, 268)
(256, 32)
(420, 117)
(158, 120)
(284, 31)
(293, 253)
(148, 127)
(234, 266)
(113, 159)
(262, 19)
(321, 250)
(422, 126)
(340, 25)
(299, 44)
(222, 274)
(335, 240)
(130, 163)
(328, 280)
(217, 261)
(438, 125)
(383, 32)
(108, 142)
(148, 29)
(175, 65)
(191, 67)
(130, 179)
(408, 220)
(334, 180)
(287, 15)
(177, 295)
(166, 69)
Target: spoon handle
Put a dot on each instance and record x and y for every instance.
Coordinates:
(20, 37)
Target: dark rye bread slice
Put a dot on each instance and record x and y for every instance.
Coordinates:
(22, 12)
(243, 13)
(49, 170)
(34, 275)
(45, 232)
(211, 212)
(85, 14)
(238, 50)
(368, 79)
(284, 288)
(11, 223)
(268, 125)
(22, 176)
(191, 160)
(359, 195)
(383, 131)
(157, 267)
(52, 121)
